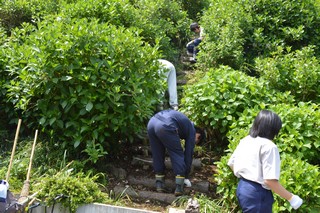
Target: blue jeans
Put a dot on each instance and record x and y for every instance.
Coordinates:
(253, 198)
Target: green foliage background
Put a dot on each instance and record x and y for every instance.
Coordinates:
(85, 74)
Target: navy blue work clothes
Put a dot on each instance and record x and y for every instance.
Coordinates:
(192, 48)
(253, 198)
(165, 130)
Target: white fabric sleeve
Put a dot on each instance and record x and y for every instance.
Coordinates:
(270, 160)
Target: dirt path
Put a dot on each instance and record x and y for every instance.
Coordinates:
(132, 177)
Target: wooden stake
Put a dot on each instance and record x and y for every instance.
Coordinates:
(32, 153)
(13, 149)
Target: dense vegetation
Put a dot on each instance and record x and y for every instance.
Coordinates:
(85, 74)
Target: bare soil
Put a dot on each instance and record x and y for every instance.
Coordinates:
(122, 167)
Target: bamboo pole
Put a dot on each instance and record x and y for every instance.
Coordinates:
(25, 189)
(13, 149)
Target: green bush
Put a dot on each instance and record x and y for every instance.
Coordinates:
(224, 23)
(89, 85)
(3, 79)
(218, 98)
(301, 179)
(297, 72)
(300, 129)
(239, 31)
(161, 21)
(115, 12)
(164, 21)
(13, 14)
(226, 182)
(80, 189)
(194, 8)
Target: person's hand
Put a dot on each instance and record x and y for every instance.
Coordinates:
(295, 201)
(187, 183)
(4, 186)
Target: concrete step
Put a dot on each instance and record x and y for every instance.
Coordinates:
(92, 208)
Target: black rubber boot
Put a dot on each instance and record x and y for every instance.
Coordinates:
(160, 183)
(179, 185)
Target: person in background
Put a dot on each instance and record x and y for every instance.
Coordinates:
(168, 69)
(165, 131)
(256, 162)
(192, 45)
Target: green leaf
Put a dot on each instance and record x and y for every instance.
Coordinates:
(89, 106)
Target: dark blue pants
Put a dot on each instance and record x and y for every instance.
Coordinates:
(162, 137)
(253, 198)
(193, 47)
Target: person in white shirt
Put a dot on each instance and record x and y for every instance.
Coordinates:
(193, 44)
(256, 162)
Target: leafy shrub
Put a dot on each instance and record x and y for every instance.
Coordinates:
(293, 25)
(3, 78)
(239, 31)
(89, 85)
(218, 98)
(80, 189)
(298, 72)
(164, 21)
(226, 182)
(300, 129)
(115, 12)
(159, 21)
(302, 179)
(224, 23)
(13, 14)
(194, 8)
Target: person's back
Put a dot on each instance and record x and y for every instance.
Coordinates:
(165, 130)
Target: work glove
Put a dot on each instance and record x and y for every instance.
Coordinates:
(187, 183)
(295, 201)
(4, 186)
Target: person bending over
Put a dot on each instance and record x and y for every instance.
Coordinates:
(165, 131)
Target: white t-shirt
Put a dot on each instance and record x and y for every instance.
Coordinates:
(256, 159)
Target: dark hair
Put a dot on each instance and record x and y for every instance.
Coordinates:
(202, 135)
(194, 26)
(267, 124)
